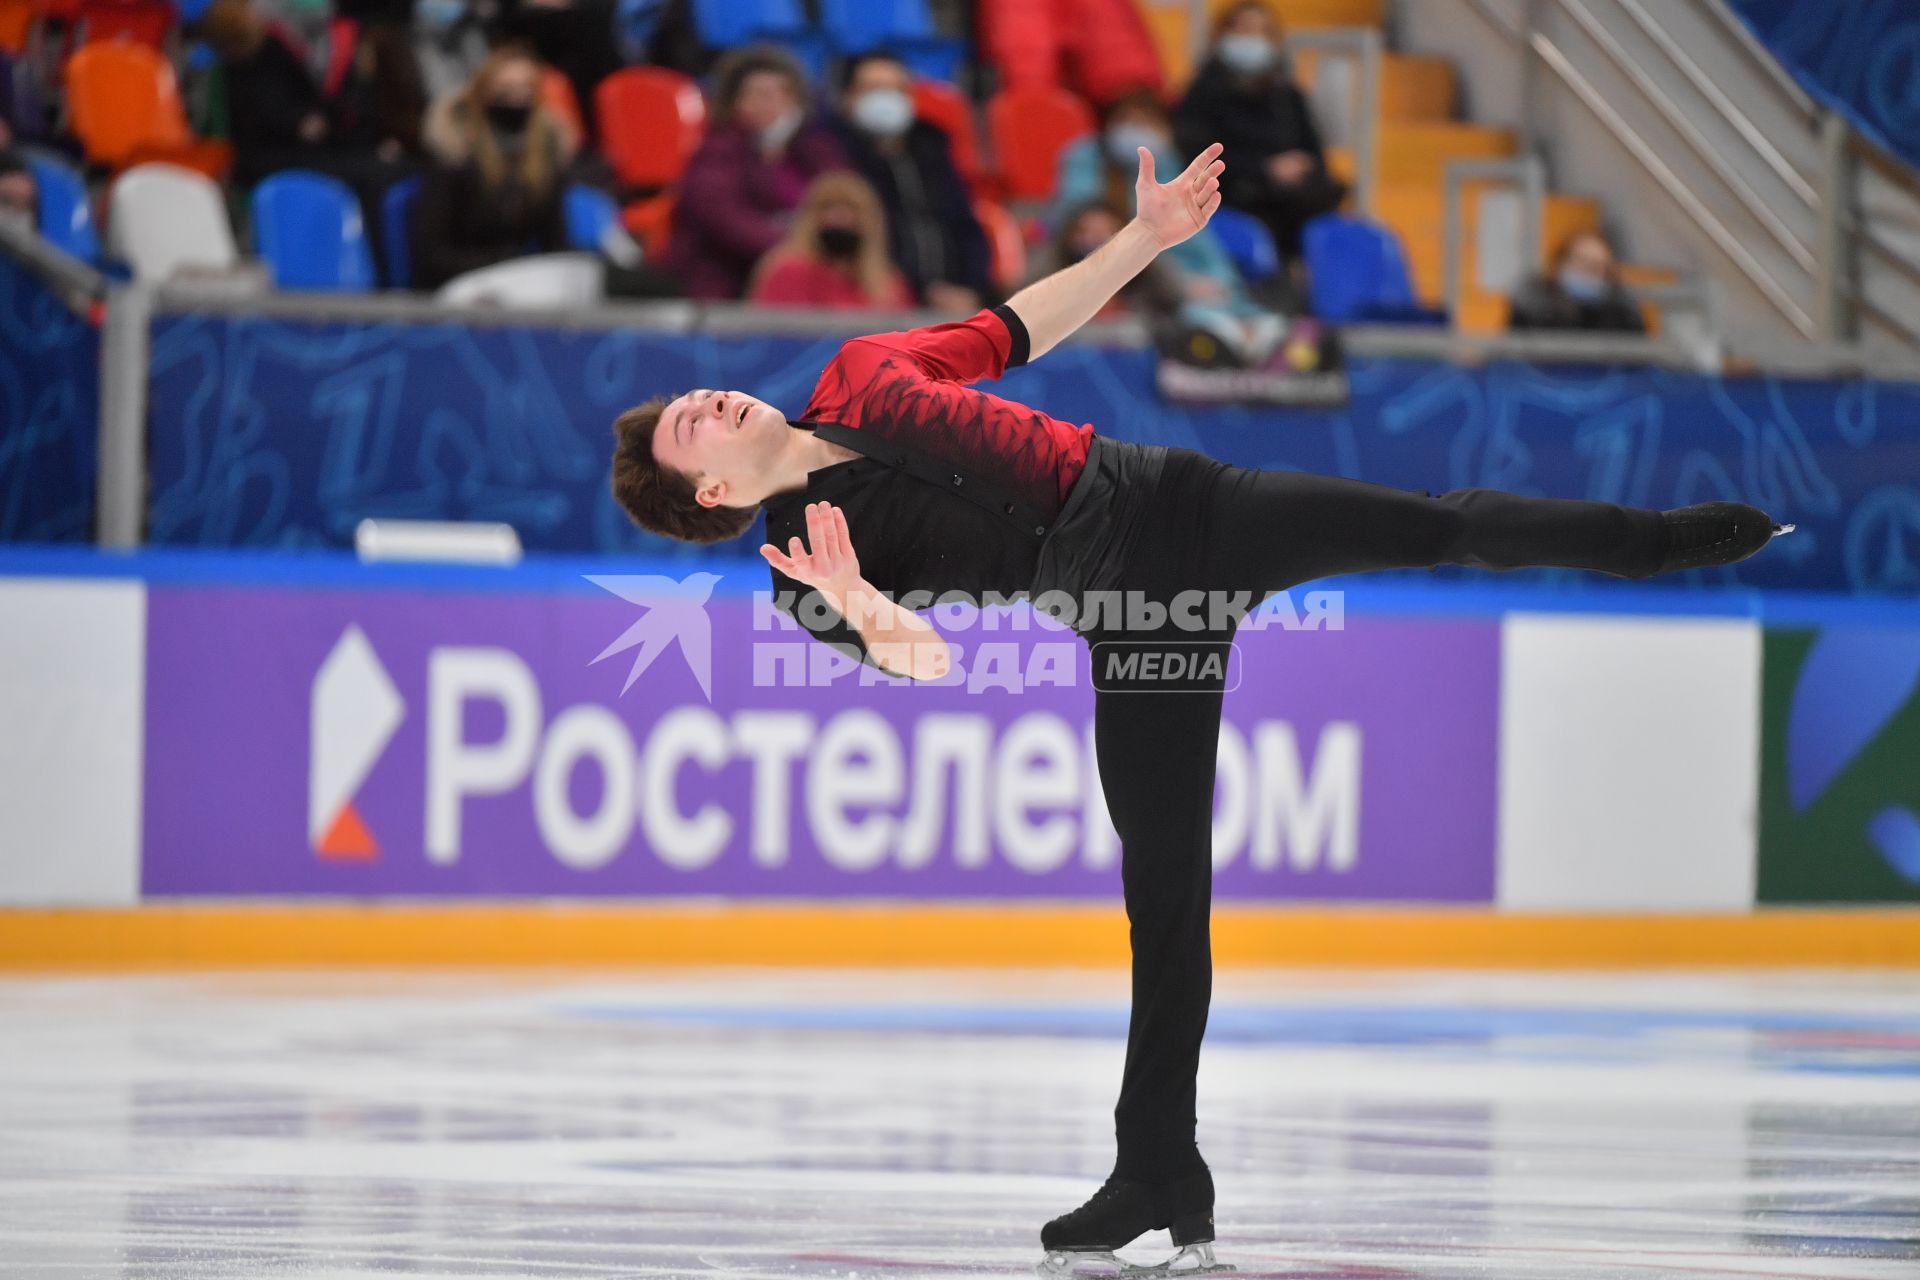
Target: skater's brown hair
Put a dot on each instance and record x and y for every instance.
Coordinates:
(660, 499)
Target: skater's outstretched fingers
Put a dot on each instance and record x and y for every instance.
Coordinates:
(831, 562)
(1202, 161)
(1176, 210)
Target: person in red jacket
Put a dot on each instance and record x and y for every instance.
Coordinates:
(836, 254)
(742, 186)
(905, 481)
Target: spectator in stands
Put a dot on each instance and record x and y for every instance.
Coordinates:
(280, 118)
(576, 36)
(836, 253)
(375, 93)
(1582, 292)
(1104, 168)
(19, 193)
(495, 186)
(750, 173)
(277, 116)
(1242, 98)
(1154, 293)
(935, 238)
(450, 43)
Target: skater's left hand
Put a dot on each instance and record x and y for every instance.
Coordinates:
(1176, 210)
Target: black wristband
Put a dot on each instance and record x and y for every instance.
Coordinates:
(1020, 344)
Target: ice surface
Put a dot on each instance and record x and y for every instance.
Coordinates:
(924, 1124)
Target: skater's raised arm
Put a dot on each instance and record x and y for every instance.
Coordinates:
(1168, 213)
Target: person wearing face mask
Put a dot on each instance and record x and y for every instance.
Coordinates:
(836, 253)
(1207, 287)
(934, 237)
(741, 188)
(1241, 96)
(1153, 295)
(1581, 292)
(494, 187)
(1101, 168)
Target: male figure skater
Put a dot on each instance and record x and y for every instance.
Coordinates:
(904, 479)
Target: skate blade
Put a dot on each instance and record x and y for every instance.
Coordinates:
(1782, 528)
(1192, 1260)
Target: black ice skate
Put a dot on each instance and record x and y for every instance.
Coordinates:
(1081, 1243)
(1713, 533)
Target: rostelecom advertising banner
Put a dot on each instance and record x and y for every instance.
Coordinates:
(1840, 765)
(645, 736)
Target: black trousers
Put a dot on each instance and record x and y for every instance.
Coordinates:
(1217, 527)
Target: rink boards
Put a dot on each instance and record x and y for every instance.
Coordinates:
(529, 764)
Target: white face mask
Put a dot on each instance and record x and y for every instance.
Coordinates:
(1246, 54)
(1583, 286)
(1123, 138)
(886, 113)
(775, 135)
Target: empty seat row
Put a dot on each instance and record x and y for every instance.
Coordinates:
(307, 227)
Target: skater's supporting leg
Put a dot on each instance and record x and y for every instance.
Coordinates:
(1156, 751)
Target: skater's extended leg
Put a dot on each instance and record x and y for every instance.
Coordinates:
(1276, 529)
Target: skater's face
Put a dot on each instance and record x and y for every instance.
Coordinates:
(725, 440)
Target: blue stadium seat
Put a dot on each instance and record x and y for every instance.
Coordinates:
(726, 24)
(1357, 271)
(307, 228)
(935, 58)
(722, 24)
(590, 211)
(855, 26)
(903, 27)
(1247, 241)
(66, 217)
(810, 46)
(396, 231)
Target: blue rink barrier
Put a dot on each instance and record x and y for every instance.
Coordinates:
(1859, 59)
(49, 410)
(275, 433)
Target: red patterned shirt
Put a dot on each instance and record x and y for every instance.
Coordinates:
(909, 535)
(912, 385)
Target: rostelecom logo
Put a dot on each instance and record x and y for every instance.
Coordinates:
(354, 713)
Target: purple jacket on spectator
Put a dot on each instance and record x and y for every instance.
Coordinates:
(734, 203)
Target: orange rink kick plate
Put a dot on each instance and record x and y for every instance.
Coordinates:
(197, 935)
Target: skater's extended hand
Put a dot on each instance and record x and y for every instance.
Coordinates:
(831, 565)
(1177, 209)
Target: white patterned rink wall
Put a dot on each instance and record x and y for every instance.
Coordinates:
(1627, 772)
(1629, 763)
(72, 717)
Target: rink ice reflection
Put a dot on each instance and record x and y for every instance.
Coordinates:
(838, 1124)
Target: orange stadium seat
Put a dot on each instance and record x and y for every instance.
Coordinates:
(1029, 126)
(126, 109)
(942, 104)
(650, 221)
(1411, 87)
(557, 96)
(1006, 246)
(651, 120)
(1305, 14)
